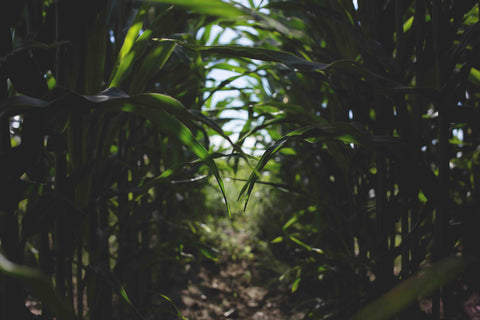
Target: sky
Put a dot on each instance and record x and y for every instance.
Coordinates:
(234, 126)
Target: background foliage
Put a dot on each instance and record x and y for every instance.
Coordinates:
(363, 115)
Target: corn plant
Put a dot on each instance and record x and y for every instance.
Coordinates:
(371, 105)
(94, 168)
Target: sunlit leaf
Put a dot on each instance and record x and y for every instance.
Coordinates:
(277, 240)
(290, 222)
(300, 243)
(408, 24)
(474, 76)
(132, 34)
(295, 284)
(132, 52)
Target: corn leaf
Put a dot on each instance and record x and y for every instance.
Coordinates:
(166, 113)
(289, 59)
(209, 7)
(40, 285)
(407, 292)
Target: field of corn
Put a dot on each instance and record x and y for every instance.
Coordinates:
(338, 159)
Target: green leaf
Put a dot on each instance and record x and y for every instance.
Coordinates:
(166, 113)
(212, 124)
(153, 182)
(267, 155)
(124, 295)
(209, 7)
(288, 151)
(179, 314)
(159, 109)
(300, 243)
(228, 67)
(422, 197)
(132, 34)
(274, 106)
(207, 254)
(133, 52)
(289, 59)
(295, 284)
(291, 221)
(346, 132)
(40, 285)
(471, 17)
(151, 65)
(474, 76)
(277, 240)
(408, 24)
(20, 104)
(408, 291)
(151, 107)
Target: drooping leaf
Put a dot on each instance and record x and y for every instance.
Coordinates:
(146, 185)
(291, 221)
(174, 128)
(267, 22)
(267, 155)
(124, 295)
(342, 131)
(296, 284)
(19, 104)
(166, 113)
(209, 7)
(408, 291)
(161, 111)
(151, 65)
(300, 243)
(133, 51)
(40, 285)
(289, 59)
(179, 314)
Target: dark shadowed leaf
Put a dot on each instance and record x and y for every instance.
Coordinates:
(345, 132)
(166, 113)
(289, 59)
(41, 286)
(209, 7)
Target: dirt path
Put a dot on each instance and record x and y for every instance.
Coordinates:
(238, 286)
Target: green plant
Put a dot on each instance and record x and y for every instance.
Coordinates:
(372, 107)
(93, 179)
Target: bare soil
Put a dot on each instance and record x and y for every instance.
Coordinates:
(237, 286)
(235, 290)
